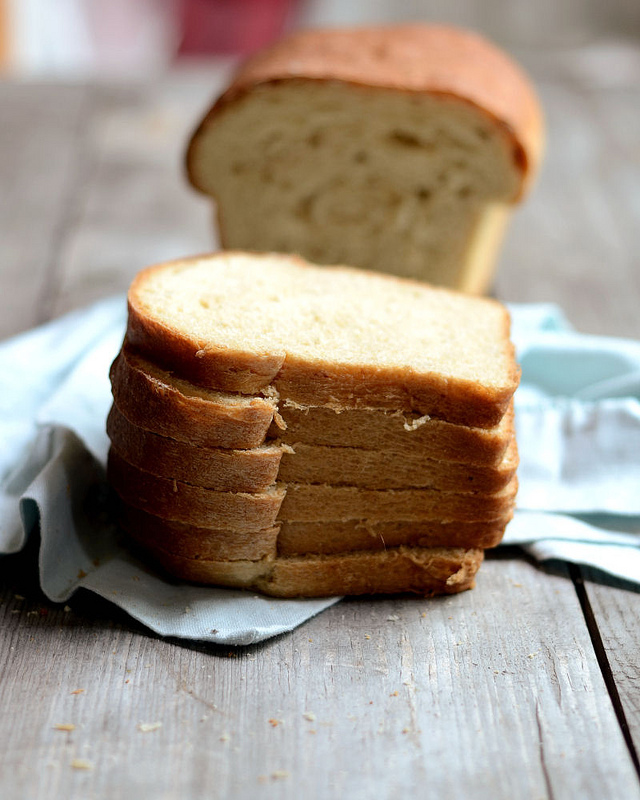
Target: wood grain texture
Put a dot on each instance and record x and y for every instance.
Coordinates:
(616, 608)
(39, 140)
(464, 695)
(577, 241)
(133, 207)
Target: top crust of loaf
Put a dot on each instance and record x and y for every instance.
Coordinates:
(423, 59)
(320, 335)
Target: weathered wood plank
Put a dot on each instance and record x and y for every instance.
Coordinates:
(134, 207)
(39, 137)
(491, 694)
(617, 610)
(576, 241)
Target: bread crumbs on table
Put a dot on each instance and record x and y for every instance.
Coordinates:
(64, 726)
(394, 694)
(77, 691)
(367, 636)
(279, 774)
(81, 574)
(393, 618)
(274, 722)
(148, 727)
(225, 737)
(81, 763)
(309, 715)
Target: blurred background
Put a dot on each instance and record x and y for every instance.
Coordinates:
(99, 98)
(122, 38)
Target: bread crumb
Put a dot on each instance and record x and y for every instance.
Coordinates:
(81, 763)
(279, 774)
(310, 716)
(274, 722)
(64, 726)
(394, 694)
(81, 574)
(367, 636)
(147, 727)
(406, 730)
(225, 737)
(77, 691)
(67, 609)
(19, 596)
(393, 618)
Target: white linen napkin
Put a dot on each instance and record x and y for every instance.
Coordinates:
(578, 420)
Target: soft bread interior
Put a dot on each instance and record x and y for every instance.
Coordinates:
(413, 184)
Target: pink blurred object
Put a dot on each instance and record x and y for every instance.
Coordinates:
(231, 26)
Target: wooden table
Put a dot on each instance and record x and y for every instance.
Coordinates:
(527, 687)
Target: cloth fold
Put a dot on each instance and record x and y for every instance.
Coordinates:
(578, 427)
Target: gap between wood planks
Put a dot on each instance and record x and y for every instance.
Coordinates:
(601, 655)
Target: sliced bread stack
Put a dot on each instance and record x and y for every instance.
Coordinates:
(311, 431)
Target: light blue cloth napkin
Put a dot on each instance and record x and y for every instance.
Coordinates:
(578, 418)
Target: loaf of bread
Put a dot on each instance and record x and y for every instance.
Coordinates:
(400, 149)
(306, 430)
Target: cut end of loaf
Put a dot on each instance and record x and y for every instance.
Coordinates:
(396, 149)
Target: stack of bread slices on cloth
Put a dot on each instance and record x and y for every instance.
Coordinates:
(309, 431)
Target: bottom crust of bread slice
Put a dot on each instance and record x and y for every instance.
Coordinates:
(423, 571)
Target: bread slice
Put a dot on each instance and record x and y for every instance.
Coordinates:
(193, 505)
(303, 538)
(398, 149)
(216, 468)
(394, 432)
(258, 468)
(380, 469)
(157, 401)
(424, 571)
(210, 544)
(325, 336)
(304, 502)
